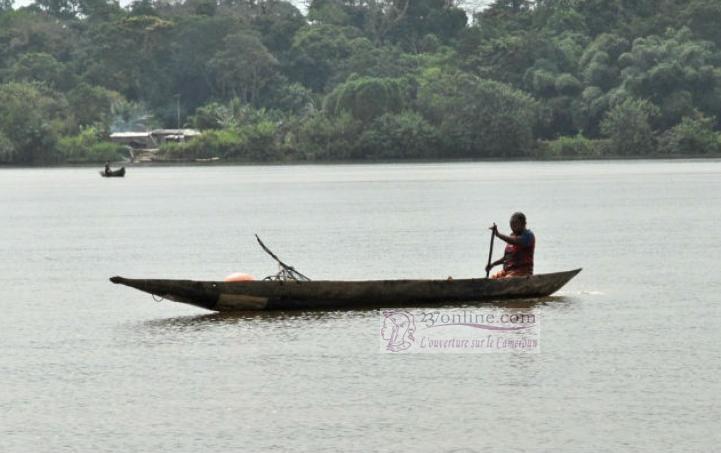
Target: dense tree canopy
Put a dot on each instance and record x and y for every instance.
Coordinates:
(362, 79)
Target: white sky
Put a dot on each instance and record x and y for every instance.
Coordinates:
(21, 3)
(469, 5)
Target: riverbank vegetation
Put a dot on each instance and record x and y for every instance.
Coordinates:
(402, 79)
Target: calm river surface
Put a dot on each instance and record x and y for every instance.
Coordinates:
(630, 357)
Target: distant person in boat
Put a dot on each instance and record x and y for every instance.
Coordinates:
(107, 168)
(518, 257)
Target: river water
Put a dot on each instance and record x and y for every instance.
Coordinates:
(629, 357)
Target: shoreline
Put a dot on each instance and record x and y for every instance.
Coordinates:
(239, 162)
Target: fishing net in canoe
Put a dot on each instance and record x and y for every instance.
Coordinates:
(285, 272)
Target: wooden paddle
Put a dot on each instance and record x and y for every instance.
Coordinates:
(490, 254)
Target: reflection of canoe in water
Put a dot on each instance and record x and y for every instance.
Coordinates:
(290, 294)
(119, 173)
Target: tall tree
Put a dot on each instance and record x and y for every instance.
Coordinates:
(243, 67)
(62, 9)
(628, 126)
(32, 118)
(478, 117)
(367, 98)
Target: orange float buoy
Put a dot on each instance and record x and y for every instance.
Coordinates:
(239, 277)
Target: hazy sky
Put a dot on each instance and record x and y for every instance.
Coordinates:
(470, 4)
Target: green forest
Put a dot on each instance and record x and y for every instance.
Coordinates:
(361, 79)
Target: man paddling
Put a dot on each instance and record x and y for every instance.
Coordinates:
(518, 257)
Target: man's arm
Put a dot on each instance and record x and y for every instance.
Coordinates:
(494, 264)
(509, 239)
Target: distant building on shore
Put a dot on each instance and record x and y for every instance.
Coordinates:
(144, 145)
(153, 139)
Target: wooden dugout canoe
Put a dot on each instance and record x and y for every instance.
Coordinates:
(291, 294)
(119, 173)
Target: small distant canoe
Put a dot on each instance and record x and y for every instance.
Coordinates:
(119, 173)
(292, 294)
